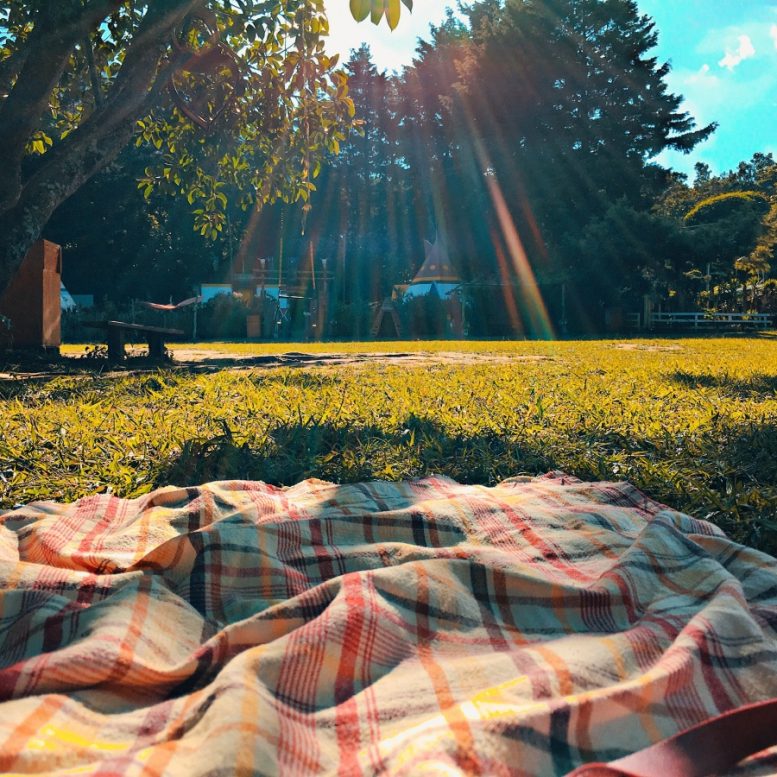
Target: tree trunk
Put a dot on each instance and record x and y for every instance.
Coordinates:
(57, 28)
(23, 224)
(95, 143)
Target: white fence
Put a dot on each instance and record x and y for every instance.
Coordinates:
(710, 320)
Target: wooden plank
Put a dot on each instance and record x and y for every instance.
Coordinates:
(143, 328)
(126, 326)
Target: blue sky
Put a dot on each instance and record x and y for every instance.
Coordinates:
(723, 55)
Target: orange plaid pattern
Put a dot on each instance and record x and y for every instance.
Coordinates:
(413, 628)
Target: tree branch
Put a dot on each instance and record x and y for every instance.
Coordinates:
(94, 76)
(57, 28)
(9, 69)
(138, 82)
(99, 139)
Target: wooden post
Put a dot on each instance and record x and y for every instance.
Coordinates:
(32, 299)
(115, 343)
(156, 346)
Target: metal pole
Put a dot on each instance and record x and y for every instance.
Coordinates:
(280, 259)
(263, 263)
(324, 306)
(563, 308)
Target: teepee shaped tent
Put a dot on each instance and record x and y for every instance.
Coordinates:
(436, 273)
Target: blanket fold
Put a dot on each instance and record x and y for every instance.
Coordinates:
(424, 627)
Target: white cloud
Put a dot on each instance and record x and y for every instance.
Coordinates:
(710, 95)
(700, 88)
(702, 76)
(773, 34)
(745, 51)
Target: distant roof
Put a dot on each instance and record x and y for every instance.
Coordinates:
(437, 266)
(422, 289)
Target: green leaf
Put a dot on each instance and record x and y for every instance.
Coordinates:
(376, 14)
(392, 13)
(360, 9)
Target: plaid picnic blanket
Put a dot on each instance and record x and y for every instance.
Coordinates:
(424, 628)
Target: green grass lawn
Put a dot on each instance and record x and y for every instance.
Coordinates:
(693, 422)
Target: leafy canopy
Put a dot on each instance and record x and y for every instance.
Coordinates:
(79, 78)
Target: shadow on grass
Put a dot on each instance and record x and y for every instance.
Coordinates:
(77, 385)
(74, 378)
(220, 361)
(727, 474)
(752, 386)
(29, 375)
(292, 452)
(24, 374)
(732, 480)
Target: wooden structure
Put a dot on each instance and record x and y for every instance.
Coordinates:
(32, 300)
(117, 331)
(437, 276)
(710, 321)
(387, 312)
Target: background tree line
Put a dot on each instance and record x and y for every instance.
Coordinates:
(524, 135)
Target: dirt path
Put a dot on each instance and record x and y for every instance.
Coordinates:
(226, 359)
(202, 360)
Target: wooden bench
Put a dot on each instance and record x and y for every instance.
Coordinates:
(116, 331)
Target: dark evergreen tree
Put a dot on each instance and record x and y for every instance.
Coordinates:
(564, 109)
